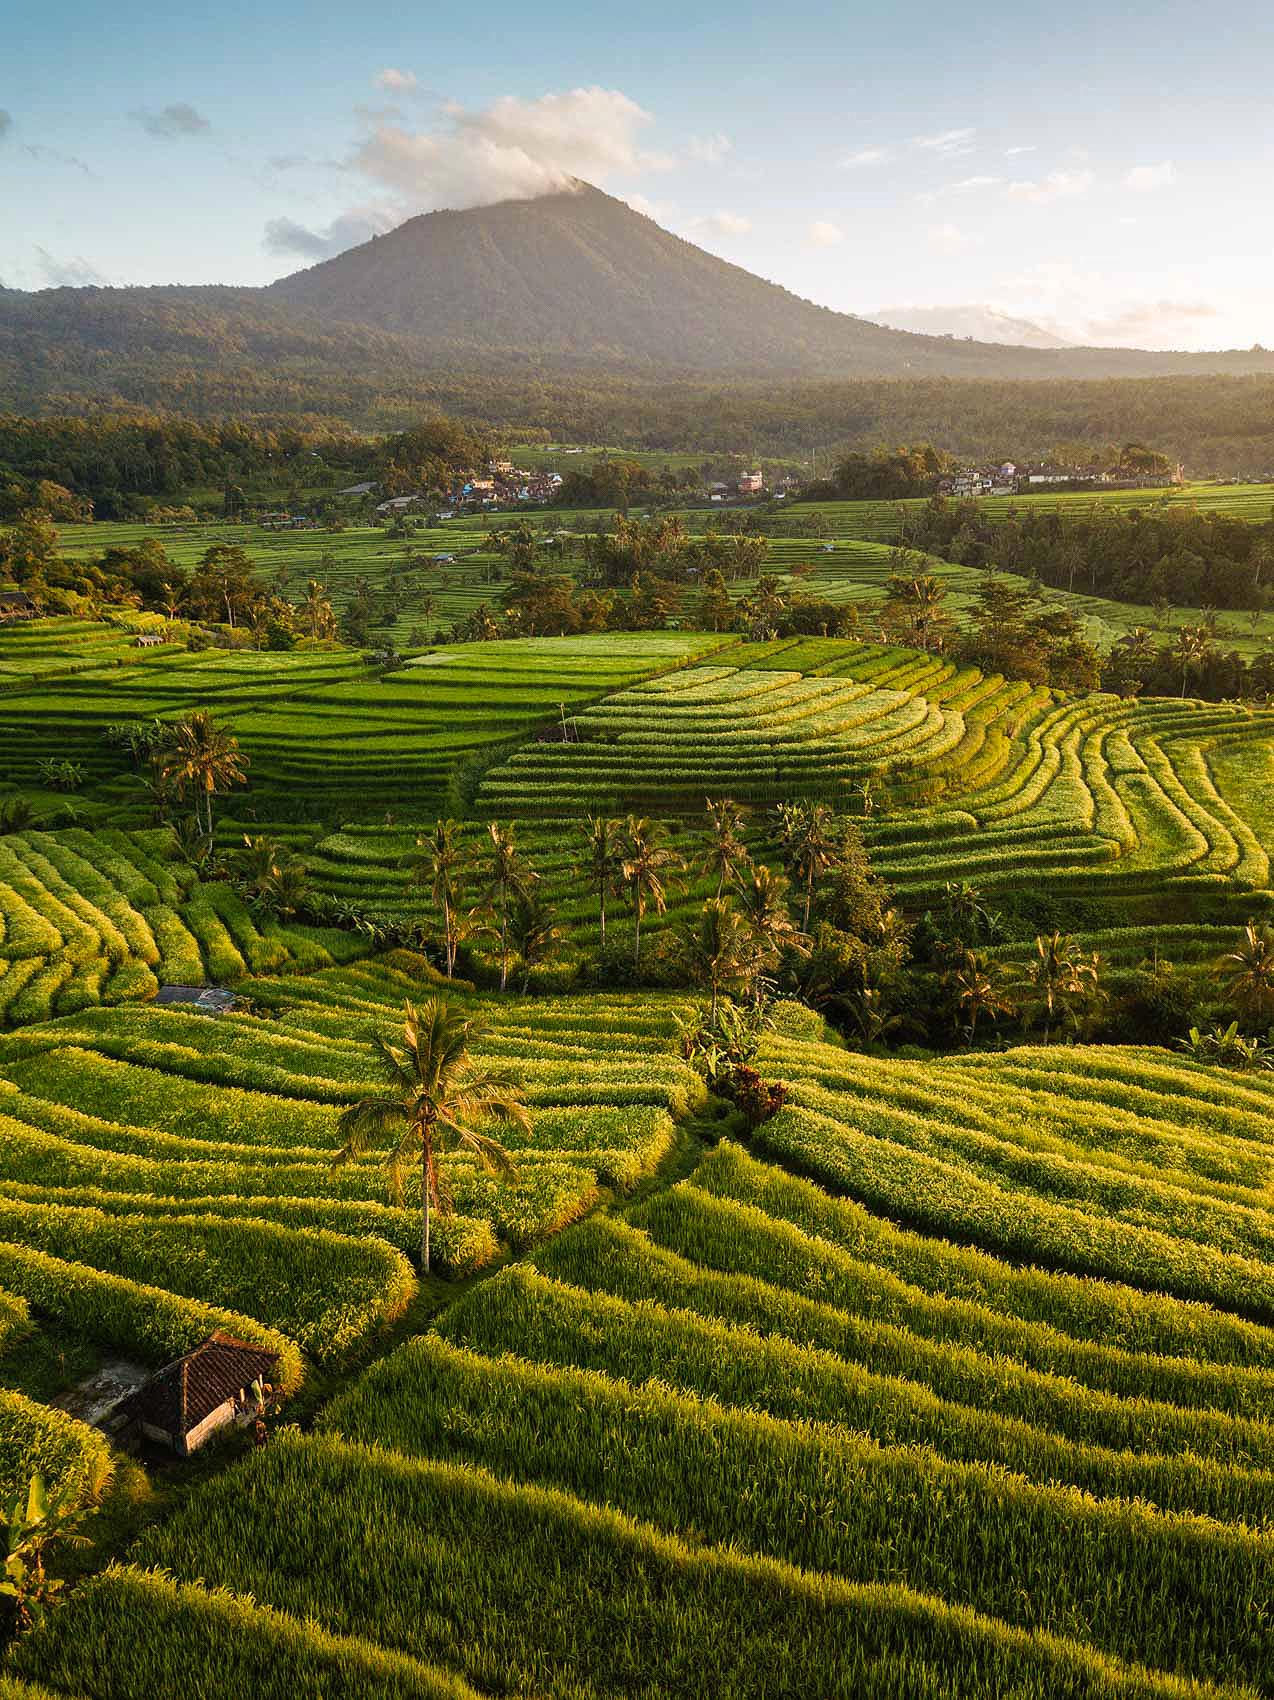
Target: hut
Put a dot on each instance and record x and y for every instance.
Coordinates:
(191, 1398)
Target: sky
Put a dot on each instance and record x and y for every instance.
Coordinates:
(1107, 172)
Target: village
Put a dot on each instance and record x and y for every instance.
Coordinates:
(1010, 479)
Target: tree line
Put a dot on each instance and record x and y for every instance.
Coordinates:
(1146, 555)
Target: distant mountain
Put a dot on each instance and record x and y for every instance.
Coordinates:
(978, 323)
(572, 288)
(580, 276)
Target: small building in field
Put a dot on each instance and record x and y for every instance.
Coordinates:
(751, 484)
(188, 1400)
(148, 640)
(200, 1000)
(17, 605)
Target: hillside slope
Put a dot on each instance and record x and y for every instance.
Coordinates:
(579, 275)
(479, 311)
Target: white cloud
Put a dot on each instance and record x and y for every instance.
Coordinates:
(1012, 153)
(824, 234)
(75, 272)
(1057, 186)
(1142, 322)
(949, 238)
(946, 141)
(177, 119)
(864, 156)
(724, 224)
(286, 236)
(967, 183)
(396, 81)
(511, 150)
(1117, 310)
(660, 211)
(710, 150)
(1145, 178)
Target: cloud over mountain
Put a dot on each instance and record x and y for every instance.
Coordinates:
(512, 149)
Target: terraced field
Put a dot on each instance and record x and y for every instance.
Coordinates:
(1094, 792)
(955, 1377)
(957, 1382)
(850, 560)
(320, 731)
(237, 1116)
(105, 916)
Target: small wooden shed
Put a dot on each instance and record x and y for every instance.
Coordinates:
(194, 1396)
(200, 1000)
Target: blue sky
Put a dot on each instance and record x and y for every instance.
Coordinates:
(1105, 170)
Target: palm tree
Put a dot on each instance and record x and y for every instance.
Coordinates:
(441, 867)
(646, 861)
(317, 611)
(725, 852)
(603, 862)
(1059, 976)
(1192, 649)
(808, 841)
(436, 1094)
(719, 950)
(532, 932)
(1248, 970)
(763, 904)
(509, 875)
(978, 988)
(202, 757)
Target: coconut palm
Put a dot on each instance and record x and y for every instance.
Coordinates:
(509, 875)
(719, 950)
(1248, 970)
(440, 866)
(647, 861)
(1192, 648)
(978, 988)
(763, 903)
(201, 757)
(1060, 976)
(807, 839)
(316, 610)
(602, 863)
(725, 852)
(532, 932)
(436, 1095)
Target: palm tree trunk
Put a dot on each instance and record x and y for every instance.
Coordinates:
(637, 937)
(601, 909)
(809, 899)
(446, 931)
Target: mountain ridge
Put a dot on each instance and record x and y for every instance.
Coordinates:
(573, 287)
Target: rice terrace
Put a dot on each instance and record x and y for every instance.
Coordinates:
(636, 903)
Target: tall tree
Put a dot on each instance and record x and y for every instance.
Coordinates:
(647, 861)
(603, 862)
(809, 844)
(725, 852)
(532, 932)
(719, 950)
(978, 988)
(316, 611)
(509, 875)
(1248, 970)
(201, 758)
(440, 866)
(437, 1093)
(763, 905)
(1060, 977)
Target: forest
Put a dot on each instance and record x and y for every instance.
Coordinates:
(1171, 556)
